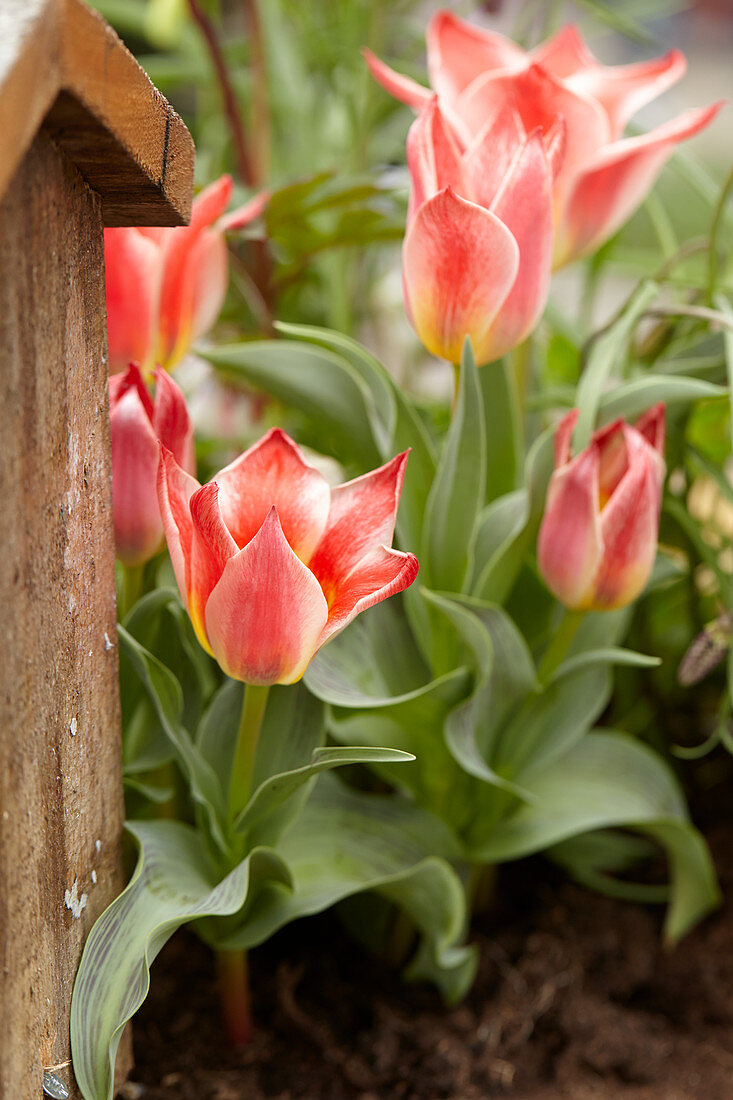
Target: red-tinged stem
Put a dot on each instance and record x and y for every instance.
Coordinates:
(233, 971)
(231, 105)
(259, 113)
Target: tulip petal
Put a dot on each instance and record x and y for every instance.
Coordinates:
(433, 157)
(608, 191)
(458, 52)
(274, 472)
(210, 204)
(211, 548)
(564, 54)
(195, 280)
(624, 89)
(381, 574)
(613, 457)
(538, 100)
(489, 156)
(569, 546)
(243, 215)
(175, 489)
(361, 519)
(265, 616)
(137, 522)
(652, 426)
(133, 271)
(171, 422)
(629, 527)
(401, 87)
(564, 436)
(132, 379)
(459, 264)
(524, 204)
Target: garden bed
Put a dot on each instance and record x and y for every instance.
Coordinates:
(575, 999)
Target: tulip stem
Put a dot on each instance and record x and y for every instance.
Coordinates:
(559, 644)
(253, 711)
(234, 996)
(131, 588)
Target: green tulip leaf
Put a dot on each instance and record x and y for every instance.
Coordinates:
(345, 842)
(397, 425)
(165, 694)
(275, 791)
(635, 397)
(607, 352)
(503, 427)
(459, 488)
(498, 524)
(613, 655)
(173, 883)
(322, 385)
(608, 780)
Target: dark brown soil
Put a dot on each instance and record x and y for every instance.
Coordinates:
(575, 999)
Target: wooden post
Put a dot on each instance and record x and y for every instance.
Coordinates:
(85, 141)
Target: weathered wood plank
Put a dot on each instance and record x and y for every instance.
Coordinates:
(60, 783)
(58, 58)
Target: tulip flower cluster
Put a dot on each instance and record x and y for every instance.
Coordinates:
(598, 539)
(497, 108)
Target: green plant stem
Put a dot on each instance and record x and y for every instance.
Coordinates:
(559, 644)
(713, 257)
(233, 972)
(131, 589)
(253, 711)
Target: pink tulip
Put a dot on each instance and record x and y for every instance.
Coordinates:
(136, 425)
(598, 538)
(271, 562)
(166, 287)
(478, 249)
(603, 177)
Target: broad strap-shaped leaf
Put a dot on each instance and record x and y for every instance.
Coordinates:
(165, 694)
(608, 780)
(274, 792)
(635, 397)
(458, 492)
(397, 425)
(497, 523)
(345, 842)
(606, 353)
(505, 676)
(498, 576)
(324, 386)
(612, 655)
(173, 883)
(374, 660)
(504, 436)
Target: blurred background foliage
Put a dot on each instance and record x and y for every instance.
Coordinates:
(277, 93)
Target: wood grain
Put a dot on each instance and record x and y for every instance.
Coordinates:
(61, 62)
(60, 781)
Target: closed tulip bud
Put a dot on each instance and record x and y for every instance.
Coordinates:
(272, 562)
(137, 423)
(166, 286)
(477, 254)
(598, 538)
(603, 176)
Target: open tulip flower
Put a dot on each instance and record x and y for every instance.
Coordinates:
(271, 562)
(478, 249)
(598, 538)
(166, 286)
(136, 425)
(478, 74)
